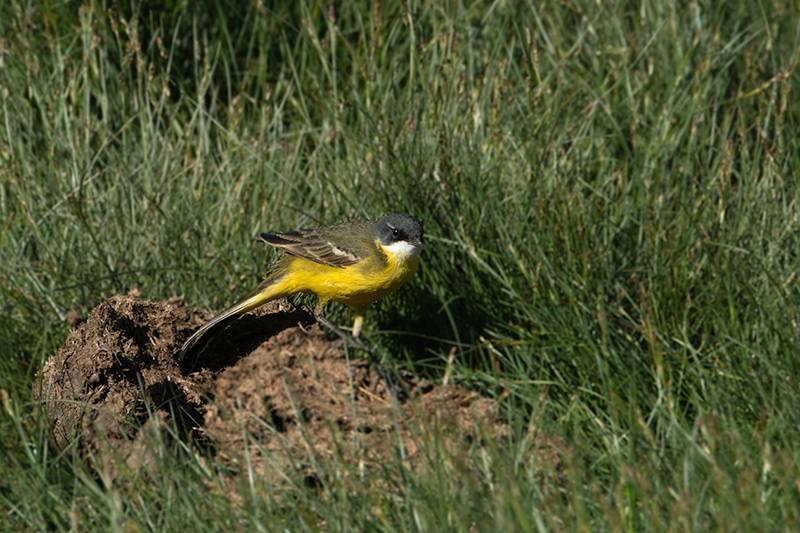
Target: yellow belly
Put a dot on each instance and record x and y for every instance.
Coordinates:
(355, 285)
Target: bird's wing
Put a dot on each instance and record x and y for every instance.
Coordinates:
(323, 245)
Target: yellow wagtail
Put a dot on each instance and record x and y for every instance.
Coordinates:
(353, 263)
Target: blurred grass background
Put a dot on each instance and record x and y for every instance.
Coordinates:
(610, 197)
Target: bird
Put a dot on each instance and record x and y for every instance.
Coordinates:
(354, 263)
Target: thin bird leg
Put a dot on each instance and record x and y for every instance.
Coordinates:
(342, 335)
(359, 321)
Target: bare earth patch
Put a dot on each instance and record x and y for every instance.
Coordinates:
(270, 388)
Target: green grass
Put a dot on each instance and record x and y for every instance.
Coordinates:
(610, 196)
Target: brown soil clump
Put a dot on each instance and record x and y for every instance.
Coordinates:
(270, 388)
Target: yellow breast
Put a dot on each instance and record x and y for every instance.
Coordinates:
(355, 285)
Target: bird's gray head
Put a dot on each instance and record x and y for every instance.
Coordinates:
(401, 233)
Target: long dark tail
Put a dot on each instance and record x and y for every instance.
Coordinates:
(269, 289)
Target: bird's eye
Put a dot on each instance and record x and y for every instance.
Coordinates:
(395, 232)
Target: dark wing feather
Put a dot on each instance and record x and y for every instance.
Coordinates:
(320, 245)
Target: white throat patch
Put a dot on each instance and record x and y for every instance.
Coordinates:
(403, 250)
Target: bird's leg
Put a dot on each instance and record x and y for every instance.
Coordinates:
(354, 340)
(359, 321)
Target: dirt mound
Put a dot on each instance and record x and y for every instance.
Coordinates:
(270, 387)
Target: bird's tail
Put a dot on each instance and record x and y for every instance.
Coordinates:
(269, 289)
